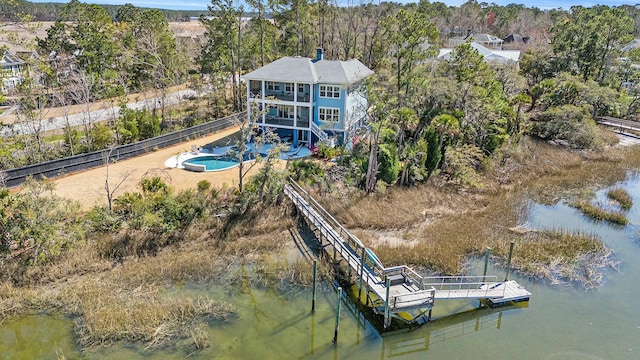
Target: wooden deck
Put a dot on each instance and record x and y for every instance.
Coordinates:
(621, 125)
(398, 289)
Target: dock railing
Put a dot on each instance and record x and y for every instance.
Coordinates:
(348, 246)
(465, 286)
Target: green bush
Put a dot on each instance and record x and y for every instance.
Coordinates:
(389, 165)
(327, 152)
(567, 123)
(305, 171)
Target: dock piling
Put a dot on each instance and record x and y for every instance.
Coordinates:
(335, 332)
(486, 261)
(313, 291)
(506, 277)
(387, 319)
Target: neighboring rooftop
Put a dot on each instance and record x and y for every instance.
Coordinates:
(481, 38)
(490, 55)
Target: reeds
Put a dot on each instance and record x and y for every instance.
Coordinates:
(560, 257)
(109, 312)
(446, 228)
(598, 213)
(621, 197)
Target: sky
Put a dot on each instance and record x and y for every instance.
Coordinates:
(202, 4)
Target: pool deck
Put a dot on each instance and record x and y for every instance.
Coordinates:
(178, 160)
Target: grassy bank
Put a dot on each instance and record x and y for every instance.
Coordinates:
(118, 283)
(439, 227)
(115, 292)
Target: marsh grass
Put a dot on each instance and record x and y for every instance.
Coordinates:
(448, 227)
(622, 197)
(559, 257)
(109, 312)
(130, 297)
(598, 213)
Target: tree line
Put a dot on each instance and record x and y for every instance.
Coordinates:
(449, 118)
(13, 10)
(426, 116)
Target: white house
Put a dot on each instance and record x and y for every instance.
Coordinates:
(486, 40)
(306, 100)
(11, 67)
(498, 57)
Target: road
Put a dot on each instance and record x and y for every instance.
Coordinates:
(54, 123)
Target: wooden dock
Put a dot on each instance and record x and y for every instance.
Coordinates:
(396, 292)
(625, 127)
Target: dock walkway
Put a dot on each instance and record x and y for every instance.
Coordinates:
(398, 289)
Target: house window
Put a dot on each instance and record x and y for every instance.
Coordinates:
(328, 91)
(301, 88)
(329, 114)
(285, 111)
(273, 86)
(288, 87)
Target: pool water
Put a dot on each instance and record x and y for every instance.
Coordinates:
(213, 163)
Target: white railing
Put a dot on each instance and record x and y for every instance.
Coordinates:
(319, 132)
(465, 286)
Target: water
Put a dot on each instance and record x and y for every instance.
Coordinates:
(559, 322)
(36, 337)
(213, 163)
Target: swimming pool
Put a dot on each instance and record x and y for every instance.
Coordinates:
(209, 163)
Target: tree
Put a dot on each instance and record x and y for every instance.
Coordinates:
(407, 34)
(110, 190)
(292, 18)
(259, 5)
(93, 39)
(156, 60)
(566, 124)
(589, 39)
(36, 226)
(221, 52)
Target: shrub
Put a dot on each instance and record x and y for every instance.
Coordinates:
(567, 123)
(389, 165)
(327, 152)
(462, 163)
(306, 172)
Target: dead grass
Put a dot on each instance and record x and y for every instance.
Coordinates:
(398, 208)
(129, 298)
(559, 257)
(445, 227)
(111, 313)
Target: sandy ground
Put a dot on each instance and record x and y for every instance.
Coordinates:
(88, 187)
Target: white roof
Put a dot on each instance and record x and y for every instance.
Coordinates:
(306, 70)
(495, 56)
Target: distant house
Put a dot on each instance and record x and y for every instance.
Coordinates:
(496, 57)
(634, 44)
(307, 100)
(485, 40)
(515, 41)
(12, 67)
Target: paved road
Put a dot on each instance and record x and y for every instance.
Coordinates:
(97, 115)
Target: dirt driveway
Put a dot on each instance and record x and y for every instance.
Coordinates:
(88, 187)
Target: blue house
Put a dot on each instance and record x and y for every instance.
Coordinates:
(307, 100)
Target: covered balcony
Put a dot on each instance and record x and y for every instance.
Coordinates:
(283, 115)
(280, 91)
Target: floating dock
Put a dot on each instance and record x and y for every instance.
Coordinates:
(397, 292)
